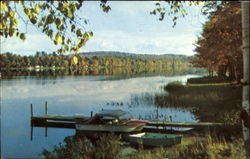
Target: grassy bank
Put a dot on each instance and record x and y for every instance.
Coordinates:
(110, 147)
(211, 103)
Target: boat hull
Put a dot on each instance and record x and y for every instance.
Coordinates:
(154, 139)
(109, 128)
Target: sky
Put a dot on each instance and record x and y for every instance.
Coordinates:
(127, 27)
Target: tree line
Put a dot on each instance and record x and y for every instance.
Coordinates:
(43, 59)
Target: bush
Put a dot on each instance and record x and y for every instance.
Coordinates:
(109, 147)
(196, 148)
(74, 147)
(174, 86)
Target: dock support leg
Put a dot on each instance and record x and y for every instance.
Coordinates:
(31, 133)
(46, 131)
(31, 110)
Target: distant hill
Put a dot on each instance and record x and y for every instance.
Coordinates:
(137, 56)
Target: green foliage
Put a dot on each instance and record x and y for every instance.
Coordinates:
(58, 20)
(198, 148)
(209, 149)
(109, 147)
(43, 59)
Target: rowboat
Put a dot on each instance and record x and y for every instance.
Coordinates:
(111, 121)
(154, 139)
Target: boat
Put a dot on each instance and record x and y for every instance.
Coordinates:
(154, 139)
(111, 121)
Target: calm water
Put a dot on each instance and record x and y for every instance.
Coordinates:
(70, 95)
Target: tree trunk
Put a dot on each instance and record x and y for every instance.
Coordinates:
(245, 98)
(222, 71)
(231, 70)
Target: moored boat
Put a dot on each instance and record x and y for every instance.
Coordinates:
(111, 121)
(154, 139)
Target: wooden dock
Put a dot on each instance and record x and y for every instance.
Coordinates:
(57, 121)
(60, 121)
(69, 121)
(59, 118)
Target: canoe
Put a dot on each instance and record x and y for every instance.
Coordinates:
(154, 139)
(111, 121)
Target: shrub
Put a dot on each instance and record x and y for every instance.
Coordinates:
(174, 86)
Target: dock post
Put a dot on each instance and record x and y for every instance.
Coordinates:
(31, 110)
(91, 114)
(46, 113)
(46, 131)
(46, 108)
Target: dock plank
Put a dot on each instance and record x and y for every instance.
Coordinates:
(60, 117)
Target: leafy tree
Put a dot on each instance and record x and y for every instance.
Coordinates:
(59, 20)
(220, 47)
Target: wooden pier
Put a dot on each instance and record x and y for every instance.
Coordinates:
(59, 121)
(56, 121)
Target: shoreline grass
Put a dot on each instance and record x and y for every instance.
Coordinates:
(111, 147)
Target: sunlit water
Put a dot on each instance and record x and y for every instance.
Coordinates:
(70, 95)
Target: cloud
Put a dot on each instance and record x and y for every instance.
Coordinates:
(146, 43)
(142, 43)
(33, 43)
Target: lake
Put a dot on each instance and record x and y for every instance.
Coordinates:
(74, 95)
